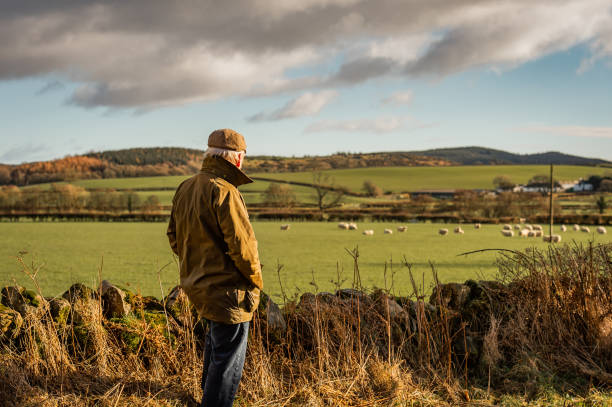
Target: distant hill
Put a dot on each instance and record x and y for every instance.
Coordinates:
(489, 156)
(157, 161)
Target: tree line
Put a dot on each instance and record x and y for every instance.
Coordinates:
(71, 198)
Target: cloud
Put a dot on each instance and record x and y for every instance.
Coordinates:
(378, 125)
(23, 153)
(306, 104)
(398, 98)
(570, 131)
(129, 54)
(51, 86)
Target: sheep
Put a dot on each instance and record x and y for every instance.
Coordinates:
(517, 227)
(507, 227)
(343, 225)
(477, 226)
(507, 233)
(402, 228)
(563, 228)
(443, 232)
(459, 231)
(284, 227)
(528, 227)
(538, 233)
(601, 230)
(576, 228)
(524, 233)
(552, 239)
(532, 233)
(585, 229)
(388, 232)
(352, 226)
(537, 227)
(368, 232)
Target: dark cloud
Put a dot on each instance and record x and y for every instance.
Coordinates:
(136, 54)
(51, 86)
(363, 69)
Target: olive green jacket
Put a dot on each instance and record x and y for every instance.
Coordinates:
(210, 232)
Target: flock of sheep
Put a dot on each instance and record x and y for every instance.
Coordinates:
(369, 232)
(526, 230)
(522, 230)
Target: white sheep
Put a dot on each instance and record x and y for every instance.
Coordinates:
(601, 230)
(537, 227)
(402, 228)
(507, 227)
(459, 231)
(284, 227)
(563, 228)
(352, 226)
(552, 239)
(532, 233)
(529, 227)
(538, 233)
(517, 227)
(576, 228)
(585, 229)
(507, 233)
(443, 232)
(524, 233)
(477, 226)
(343, 225)
(368, 232)
(388, 232)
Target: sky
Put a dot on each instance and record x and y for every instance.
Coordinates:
(308, 77)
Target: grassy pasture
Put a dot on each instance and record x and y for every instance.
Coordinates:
(252, 193)
(310, 252)
(396, 179)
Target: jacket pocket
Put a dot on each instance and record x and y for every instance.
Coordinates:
(251, 299)
(238, 296)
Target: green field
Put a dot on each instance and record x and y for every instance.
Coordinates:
(398, 179)
(132, 253)
(253, 193)
(395, 179)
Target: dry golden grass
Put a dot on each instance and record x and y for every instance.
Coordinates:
(544, 330)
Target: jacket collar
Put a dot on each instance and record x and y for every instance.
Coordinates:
(222, 168)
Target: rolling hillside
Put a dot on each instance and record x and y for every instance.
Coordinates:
(174, 161)
(489, 156)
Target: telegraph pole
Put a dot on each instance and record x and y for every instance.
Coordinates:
(550, 209)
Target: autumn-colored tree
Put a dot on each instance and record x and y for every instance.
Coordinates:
(371, 189)
(279, 195)
(132, 200)
(151, 204)
(5, 176)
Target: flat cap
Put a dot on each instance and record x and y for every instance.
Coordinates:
(228, 139)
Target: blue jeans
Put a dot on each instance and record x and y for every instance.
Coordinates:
(224, 353)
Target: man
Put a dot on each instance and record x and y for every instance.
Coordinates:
(220, 272)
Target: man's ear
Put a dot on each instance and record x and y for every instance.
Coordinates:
(239, 163)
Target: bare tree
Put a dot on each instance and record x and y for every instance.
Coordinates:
(327, 195)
